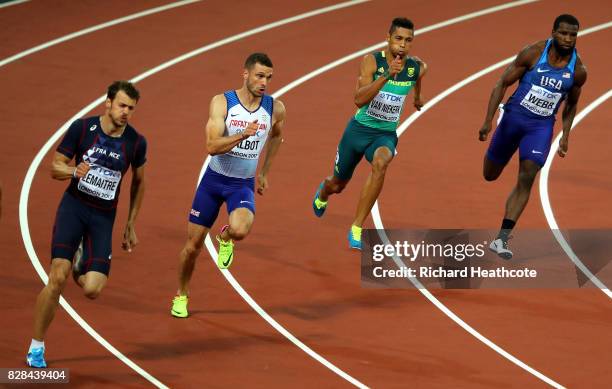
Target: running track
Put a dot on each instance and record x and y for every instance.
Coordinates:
(307, 282)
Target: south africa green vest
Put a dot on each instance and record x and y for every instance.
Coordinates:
(386, 107)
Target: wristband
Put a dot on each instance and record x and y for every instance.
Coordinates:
(387, 74)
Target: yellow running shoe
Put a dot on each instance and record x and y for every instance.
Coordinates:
(226, 251)
(179, 306)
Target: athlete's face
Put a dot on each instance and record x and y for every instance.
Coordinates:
(120, 109)
(564, 38)
(257, 79)
(400, 41)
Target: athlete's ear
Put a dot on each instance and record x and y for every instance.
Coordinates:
(108, 103)
(245, 74)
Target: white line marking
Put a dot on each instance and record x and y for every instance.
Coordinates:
(421, 31)
(545, 199)
(245, 34)
(379, 225)
(25, 233)
(27, 184)
(89, 30)
(4, 5)
(55, 137)
(280, 92)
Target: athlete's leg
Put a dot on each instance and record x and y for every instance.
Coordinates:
(491, 170)
(528, 170)
(48, 298)
(332, 185)
(204, 211)
(187, 257)
(349, 153)
(240, 223)
(505, 141)
(370, 191)
(93, 283)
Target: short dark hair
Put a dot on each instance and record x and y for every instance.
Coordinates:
(565, 18)
(124, 86)
(401, 22)
(260, 58)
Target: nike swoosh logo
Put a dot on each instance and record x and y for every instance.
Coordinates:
(542, 70)
(242, 201)
(228, 260)
(233, 114)
(536, 152)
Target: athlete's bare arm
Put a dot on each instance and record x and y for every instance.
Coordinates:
(569, 110)
(216, 143)
(61, 170)
(367, 87)
(137, 190)
(418, 99)
(524, 61)
(275, 138)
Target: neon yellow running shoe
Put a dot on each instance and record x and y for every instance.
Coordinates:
(179, 306)
(226, 251)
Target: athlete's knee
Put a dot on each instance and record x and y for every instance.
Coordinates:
(58, 277)
(490, 170)
(193, 247)
(380, 164)
(92, 292)
(526, 180)
(336, 186)
(239, 231)
(527, 177)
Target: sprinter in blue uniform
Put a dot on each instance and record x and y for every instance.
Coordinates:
(550, 72)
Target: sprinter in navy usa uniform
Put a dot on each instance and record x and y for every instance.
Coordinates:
(550, 72)
(103, 147)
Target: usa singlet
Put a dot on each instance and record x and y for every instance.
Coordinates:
(543, 88)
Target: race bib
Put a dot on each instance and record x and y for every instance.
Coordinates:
(100, 182)
(386, 106)
(541, 101)
(249, 148)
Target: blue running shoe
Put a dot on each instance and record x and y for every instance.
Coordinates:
(354, 239)
(36, 358)
(319, 206)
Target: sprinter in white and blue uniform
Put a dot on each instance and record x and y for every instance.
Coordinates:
(550, 72)
(240, 123)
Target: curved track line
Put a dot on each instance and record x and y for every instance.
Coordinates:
(210, 246)
(378, 221)
(89, 30)
(27, 184)
(55, 137)
(4, 5)
(420, 31)
(545, 199)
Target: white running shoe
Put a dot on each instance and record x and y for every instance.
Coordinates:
(500, 247)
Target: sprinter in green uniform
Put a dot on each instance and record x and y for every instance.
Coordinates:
(385, 79)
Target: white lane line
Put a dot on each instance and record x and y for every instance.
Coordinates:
(379, 225)
(27, 184)
(545, 199)
(89, 30)
(8, 4)
(55, 137)
(419, 31)
(245, 34)
(211, 248)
